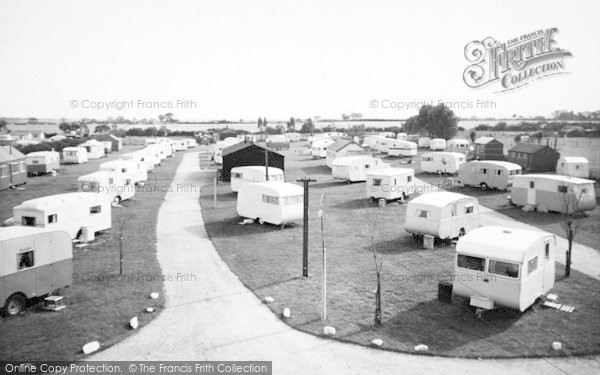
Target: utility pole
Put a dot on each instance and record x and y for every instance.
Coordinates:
(305, 182)
(322, 216)
(266, 154)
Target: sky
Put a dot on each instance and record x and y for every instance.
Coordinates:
(244, 59)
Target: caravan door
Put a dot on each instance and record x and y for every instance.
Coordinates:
(531, 193)
(548, 265)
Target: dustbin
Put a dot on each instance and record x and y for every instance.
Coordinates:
(445, 291)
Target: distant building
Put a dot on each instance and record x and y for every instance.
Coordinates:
(534, 157)
(488, 148)
(116, 142)
(13, 167)
(247, 154)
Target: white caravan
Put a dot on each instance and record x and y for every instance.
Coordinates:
(402, 148)
(424, 142)
(443, 215)
(255, 173)
(115, 186)
(437, 144)
(152, 154)
(441, 162)
(94, 149)
(355, 168)
(34, 262)
(390, 183)
(74, 155)
(137, 170)
(273, 202)
(180, 144)
(401, 136)
(370, 141)
(42, 162)
(70, 212)
(293, 137)
(218, 148)
(458, 145)
(319, 148)
(140, 157)
(574, 166)
(488, 174)
(504, 266)
(550, 192)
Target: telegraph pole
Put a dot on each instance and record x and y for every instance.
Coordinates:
(305, 182)
(324, 292)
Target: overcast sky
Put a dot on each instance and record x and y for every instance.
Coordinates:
(245, 59)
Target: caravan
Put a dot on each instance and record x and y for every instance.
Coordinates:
(319, 148)
(42, 162)
(549, 192)
(458, 145)
(217, 149)
(273, 202)
(116, 186)
(180, 145)
(501, 266)
(488, 174)
(402, 148)
(94, 149)
(71, 212)
(355, 168)
(34, 262)
(441, 162)
(277, 142)
(443, 215)
(140, 157)
(437, 144)
(390, 183)
(255, 173)
(574, 166)
(74, 155)
(137, 170)
(424, 142)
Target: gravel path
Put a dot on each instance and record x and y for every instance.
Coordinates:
(214, 317)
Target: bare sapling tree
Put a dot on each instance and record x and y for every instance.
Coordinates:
(121, 225)
(372, 226)
(571, 217)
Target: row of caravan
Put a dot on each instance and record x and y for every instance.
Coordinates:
(391, 146)
(36, 254)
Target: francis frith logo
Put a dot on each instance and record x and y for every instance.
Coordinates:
(515, 63)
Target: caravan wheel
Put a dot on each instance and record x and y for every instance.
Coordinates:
(461, 232)
(117, 200)
(15, 304)
(483, 185)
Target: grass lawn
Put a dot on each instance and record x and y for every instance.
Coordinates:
(99, 302)
(269, 261)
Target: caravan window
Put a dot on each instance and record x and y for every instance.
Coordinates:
(236, 175)
(483, 170)
(52, 219)
(409, 179)
(269, 199)
(427, 158)
(532, 265)
(531, 184)
(547, 250)
(562, 188)
(296, 199)
(499, 172)
(577, 166)
(25, 260)
(469, 262)
(367, 166)
(377, 182)
(423, 214)
(95, 209)
(469, 209)
(23, 166)
(504, 269)
(127, 182)
(28, 221)
(3, 170)
(111, 181)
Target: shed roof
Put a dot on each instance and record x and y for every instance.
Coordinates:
(9, 153)
(240, 146)
(342, 143)
(528, 148)
(502, 243)
(484, 140)
(349, 160)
